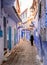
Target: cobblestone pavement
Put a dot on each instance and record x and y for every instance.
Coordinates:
(23, 54)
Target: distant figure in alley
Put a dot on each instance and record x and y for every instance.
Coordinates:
(31, 39)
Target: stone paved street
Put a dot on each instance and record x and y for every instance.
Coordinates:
(23, 54)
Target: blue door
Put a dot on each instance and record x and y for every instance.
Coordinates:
(9, 39)
(21, 34)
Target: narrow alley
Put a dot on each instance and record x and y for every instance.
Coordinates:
(23, 32)
(23, 54)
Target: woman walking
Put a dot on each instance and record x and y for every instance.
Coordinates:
(31, 39)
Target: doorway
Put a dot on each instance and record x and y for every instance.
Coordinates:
(5, 37)
(9, 38)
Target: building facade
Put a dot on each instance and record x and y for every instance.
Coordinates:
(44, 28)
(8, 27)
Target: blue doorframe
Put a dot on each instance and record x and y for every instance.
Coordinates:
(21, 34)
(9, 35)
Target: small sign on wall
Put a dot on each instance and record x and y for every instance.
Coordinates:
(1, 32)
